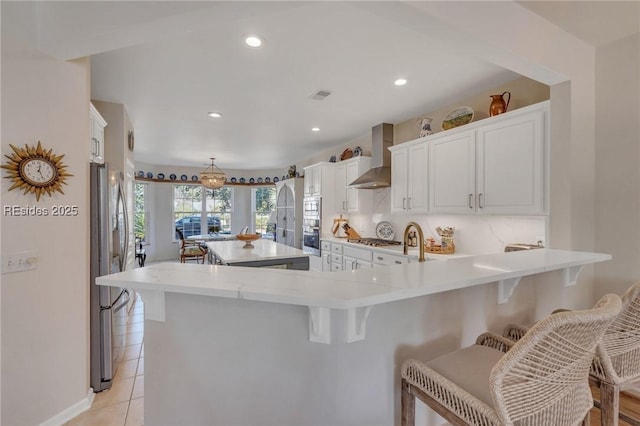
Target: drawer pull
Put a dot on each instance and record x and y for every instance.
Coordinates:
(398, 262)
(380, 258)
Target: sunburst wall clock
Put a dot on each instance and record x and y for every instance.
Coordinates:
(36, 170)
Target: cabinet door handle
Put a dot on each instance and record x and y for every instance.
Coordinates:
(470, 201)
(409, 203)
(404, 204)
(480, 203)
(380, 258)
(398, 262)
(329, 259)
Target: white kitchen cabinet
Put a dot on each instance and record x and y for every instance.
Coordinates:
(349, 199)
(318, 177)
(409, 174)
(510, 165)
(452, 173)
(289, 202)
(325, 254)
(96, 139)
(497, 167)
(385, 259)
(356, 258)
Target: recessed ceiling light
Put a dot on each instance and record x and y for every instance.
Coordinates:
(315, 129)
(214, 114)
(400, 82)
(253, 40)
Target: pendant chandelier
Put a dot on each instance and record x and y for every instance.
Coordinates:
(212, 177)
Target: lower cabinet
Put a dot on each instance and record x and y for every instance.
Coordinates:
(342, 257)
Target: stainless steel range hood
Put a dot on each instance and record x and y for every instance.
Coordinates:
(379, 176)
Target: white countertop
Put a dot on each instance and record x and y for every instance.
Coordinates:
(230, 252)
(346, 290)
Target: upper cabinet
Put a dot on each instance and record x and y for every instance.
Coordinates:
(409, 173)
(497, 167)
(96, 135)
(350, 199)
(318, 178)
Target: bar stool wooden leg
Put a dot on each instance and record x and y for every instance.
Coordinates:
(408, 403)
(609, 404)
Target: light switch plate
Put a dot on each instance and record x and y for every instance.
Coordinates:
(19, 262)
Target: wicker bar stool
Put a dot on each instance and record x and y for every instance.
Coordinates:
(616, 366)
(541, 380)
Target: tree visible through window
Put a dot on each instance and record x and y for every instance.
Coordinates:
(140, 214)
(264, 203)
(219, 208)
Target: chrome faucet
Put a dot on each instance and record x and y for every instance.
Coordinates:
(420, 239)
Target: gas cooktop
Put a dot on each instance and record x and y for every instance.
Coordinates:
(374, 242)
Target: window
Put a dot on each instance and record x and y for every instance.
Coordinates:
(264, 204)
(187, 209)
(198, 210)
(141, 213)
(219, 207)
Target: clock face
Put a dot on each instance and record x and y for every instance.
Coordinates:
(38, 171)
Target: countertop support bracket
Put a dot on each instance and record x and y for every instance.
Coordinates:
(319, 325)
(506, 288)
(153, 304)
(571, 275)
(356, 329)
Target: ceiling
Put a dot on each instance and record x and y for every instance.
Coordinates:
(170, 63)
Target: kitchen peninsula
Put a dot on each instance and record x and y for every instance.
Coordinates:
(260, 346)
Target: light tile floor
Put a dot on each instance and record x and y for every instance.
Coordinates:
(123, 404)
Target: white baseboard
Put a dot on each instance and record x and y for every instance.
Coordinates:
(71, 412)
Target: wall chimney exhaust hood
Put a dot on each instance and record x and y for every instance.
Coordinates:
(379, 176)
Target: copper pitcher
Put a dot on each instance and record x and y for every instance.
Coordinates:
(498, 105)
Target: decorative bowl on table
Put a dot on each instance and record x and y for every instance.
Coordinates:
(248, 238)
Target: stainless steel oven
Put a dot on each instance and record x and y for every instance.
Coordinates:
(312, 222)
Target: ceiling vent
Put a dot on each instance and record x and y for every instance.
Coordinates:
(320, 95)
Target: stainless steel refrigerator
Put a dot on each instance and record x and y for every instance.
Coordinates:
(109, 234)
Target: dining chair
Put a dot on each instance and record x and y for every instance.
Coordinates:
(190, 249)
(616, 366)
(541, 380)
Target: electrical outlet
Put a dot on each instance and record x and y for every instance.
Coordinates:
(541, 241)
(19, 262)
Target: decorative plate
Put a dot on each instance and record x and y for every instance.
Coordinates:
(457, 117)
(259, 180)
(267, 179)
(384, 230)
(160, 175)
(194, 178)
(150, 175)
(233, 180)
(140, 173)
(357, 152)
(242, 180)
(184, 177)
(252, 180)
(276, 179)
(172, 176)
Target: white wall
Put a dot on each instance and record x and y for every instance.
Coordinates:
(618, 156)
(45, 362)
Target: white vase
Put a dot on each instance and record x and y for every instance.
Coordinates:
(425, 127)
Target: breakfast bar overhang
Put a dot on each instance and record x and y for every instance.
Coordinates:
(240, 345)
